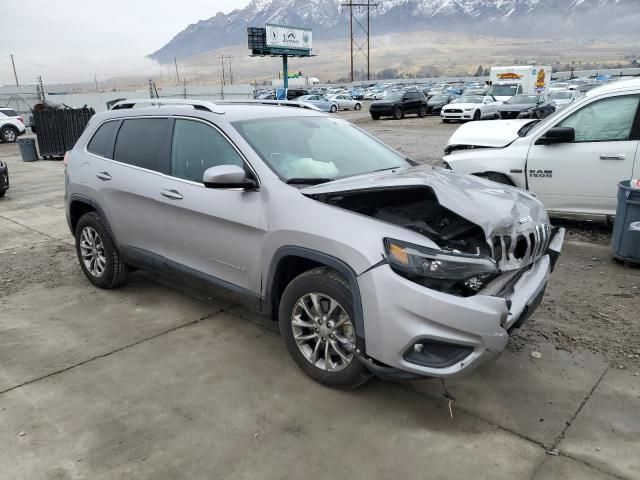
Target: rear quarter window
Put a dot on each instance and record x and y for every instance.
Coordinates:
(141, 142)
(9, 113)
(100, 143)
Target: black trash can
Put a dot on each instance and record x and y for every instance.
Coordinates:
(28, 149)
(625, 242)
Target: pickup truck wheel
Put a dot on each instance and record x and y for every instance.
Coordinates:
(9, 134)
(398, 113)
(316, 321)
(496, 177)
(98, 257)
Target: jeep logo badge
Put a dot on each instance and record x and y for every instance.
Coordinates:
(523, 220)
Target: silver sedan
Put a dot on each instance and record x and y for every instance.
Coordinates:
(345, 102)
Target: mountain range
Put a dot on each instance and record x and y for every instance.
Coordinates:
(329, 19)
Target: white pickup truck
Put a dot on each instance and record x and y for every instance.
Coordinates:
(572, 161)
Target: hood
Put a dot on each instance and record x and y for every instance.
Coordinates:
(517, 107)
(436, 102)
(462, 105)
(494, 207)
(491, 133)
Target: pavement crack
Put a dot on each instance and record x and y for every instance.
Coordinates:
(29, 228)
(120, 349)
(567, 424)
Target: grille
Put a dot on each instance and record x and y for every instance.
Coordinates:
(516, 250)
(453, 110)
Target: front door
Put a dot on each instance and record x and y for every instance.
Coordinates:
(583, 175)
(217, 232)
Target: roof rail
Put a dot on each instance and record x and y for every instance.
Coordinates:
(196, 104)
(282, 103)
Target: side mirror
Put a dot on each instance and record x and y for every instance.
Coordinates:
(227, 176)
(557, 135)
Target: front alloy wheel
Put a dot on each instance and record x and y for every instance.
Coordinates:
(323, 332)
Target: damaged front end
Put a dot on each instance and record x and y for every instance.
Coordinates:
(470, 256)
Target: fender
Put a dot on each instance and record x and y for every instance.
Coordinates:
(330, 261)
(90, 201)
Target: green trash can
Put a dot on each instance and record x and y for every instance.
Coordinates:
(28, 149)
(625, 242)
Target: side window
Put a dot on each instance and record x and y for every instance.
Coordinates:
(196, 147)
(140, 142)
(519, 90)
(100, 143)
(604, 120)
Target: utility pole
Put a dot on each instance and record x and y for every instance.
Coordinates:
(13, 64)
(230, 71)
(360, 29)
(95, 80)
(40, 89)
(175, 62)
(222, 60)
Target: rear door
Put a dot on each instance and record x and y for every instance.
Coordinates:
(129, 185)
(581, 177)
(217, 232)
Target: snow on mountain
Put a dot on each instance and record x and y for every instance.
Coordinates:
(329, 19)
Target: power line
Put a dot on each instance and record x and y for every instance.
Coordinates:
(48, 67)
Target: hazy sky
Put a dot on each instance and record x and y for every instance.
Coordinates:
(73, 39)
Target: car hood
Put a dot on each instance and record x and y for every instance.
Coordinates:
(462, 105)
(492, 133)
(436, 102)
(494, 207)
(519, 107)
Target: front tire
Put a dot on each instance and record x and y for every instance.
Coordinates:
(398, 113)
(333, 109)
(317, 323)
(423, 112)
(477, 115)
(375, 116)
(97, 254)
(358, 106)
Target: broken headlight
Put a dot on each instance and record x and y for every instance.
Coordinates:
(447, 271)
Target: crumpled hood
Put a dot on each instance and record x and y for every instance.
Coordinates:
(490, 133)
(496, 208)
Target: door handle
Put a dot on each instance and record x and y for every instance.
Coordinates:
(172, 194)
(619, 156)
(103, 176)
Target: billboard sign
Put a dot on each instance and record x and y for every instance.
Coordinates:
(291, 38)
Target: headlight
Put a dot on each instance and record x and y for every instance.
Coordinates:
(468, 109)
(450, 272)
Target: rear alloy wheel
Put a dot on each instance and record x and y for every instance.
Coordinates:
(358, 106)
(477, 115)
(333, 109)
(97, 254)
(9, 135)
(316, 321)
(397, 113)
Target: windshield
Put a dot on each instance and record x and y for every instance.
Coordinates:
(522, 99)
(317, 148)
(502, 90)
(393, 96)
(439, 98)
(560, 95)
(470, 99)
(535, 126)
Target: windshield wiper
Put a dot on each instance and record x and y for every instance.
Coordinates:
(387, 168)
(308, 181)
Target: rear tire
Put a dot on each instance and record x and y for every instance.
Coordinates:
(358, 106)
(9, 135)
(97, 254)
(333, 109)
(304, 326)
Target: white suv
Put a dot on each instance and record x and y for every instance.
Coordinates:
(11, 125)
(572, 160)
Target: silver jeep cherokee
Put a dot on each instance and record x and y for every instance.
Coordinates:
(370, 262)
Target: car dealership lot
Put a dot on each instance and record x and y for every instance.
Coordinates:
(153, 381)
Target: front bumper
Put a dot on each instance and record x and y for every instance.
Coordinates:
(382, 110)
(446, 115)
(399, 314)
